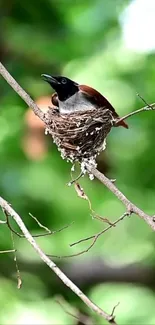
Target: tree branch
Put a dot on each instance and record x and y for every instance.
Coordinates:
(5, 206)
(148, 107)
(49, 232)
(21, 92)
(131, 208)
(82, 319)
(96, 236)
(7, 251)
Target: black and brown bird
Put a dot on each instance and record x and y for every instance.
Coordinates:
(71, 97)
(85, 107)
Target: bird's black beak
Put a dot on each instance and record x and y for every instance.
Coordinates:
(51, 80)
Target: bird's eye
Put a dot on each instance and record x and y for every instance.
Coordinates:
(63, 81)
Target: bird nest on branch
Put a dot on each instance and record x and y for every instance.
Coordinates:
(79, 136)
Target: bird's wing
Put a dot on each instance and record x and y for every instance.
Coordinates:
(54, 100)
(100, 101)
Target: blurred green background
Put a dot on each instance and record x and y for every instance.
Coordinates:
(100, 43)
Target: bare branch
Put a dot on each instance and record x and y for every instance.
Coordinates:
(145, 102)
(96, 236)
(93, 237)
(148, 107)
(7, 251)
(49, 232)
(83, 319)
(39, 223)
(80, 192)
(21, 92)
(3, 222)
(19, 280)
(129, 205)
(74, 180)
(5, 206)
(114, 308)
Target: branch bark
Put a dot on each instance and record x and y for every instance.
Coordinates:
(131, 208)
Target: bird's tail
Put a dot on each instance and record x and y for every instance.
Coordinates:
(122, 123)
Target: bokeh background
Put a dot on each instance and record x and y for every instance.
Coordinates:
(107, 44)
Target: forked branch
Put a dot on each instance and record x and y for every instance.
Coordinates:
(11, 212)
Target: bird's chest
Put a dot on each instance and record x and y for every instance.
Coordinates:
(77, 102)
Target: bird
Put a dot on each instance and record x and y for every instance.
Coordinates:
(71, 97)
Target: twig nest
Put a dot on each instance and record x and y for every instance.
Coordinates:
(79, 136)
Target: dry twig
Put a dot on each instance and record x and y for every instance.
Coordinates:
(93, 237)
(19, 280)
(96, 236)
(49, 232)
(7, 251)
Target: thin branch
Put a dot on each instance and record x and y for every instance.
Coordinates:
(39, 223)
(7, 251)
(3, 222)
(80, 192)
(129, 205)
(145, 102)
(114, 308)
(21, 92)
(93, 237)
(74, 180)
(80, 317)
(96, 236)
(5, 206)
(148, 107)
(19, 280)
(49, 232)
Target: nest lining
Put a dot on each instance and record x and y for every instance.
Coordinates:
(79, 136)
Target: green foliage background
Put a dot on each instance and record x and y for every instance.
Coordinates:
(83, 40)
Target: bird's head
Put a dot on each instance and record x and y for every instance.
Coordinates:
(63, 86)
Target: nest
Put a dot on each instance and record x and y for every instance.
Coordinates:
(81, 135)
